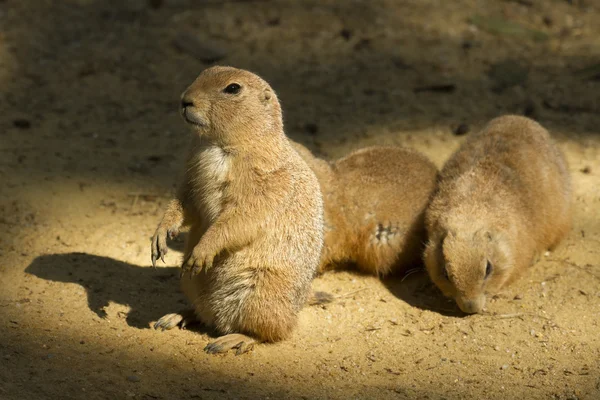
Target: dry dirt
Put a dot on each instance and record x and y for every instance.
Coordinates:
(91, 146)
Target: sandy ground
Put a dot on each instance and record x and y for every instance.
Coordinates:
(91, 146)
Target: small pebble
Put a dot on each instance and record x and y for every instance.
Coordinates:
(346, 34)
(133, 378)
(274, 21)
(156, 4)
(530, 109)
(22, 123)
(505, 366)
(311, 128)
(461, 129)
(202, 48)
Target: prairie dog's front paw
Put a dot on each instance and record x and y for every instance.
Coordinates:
(159, 242)
(201, 257)
(159, 245)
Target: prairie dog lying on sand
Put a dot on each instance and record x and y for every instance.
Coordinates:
(503, 199)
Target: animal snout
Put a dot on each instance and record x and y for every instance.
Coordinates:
(193, 112)
(471, 306)
(186, 103)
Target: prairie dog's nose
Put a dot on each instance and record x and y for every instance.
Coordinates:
(185, 102)
(471, 306)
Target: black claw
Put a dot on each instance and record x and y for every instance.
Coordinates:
(212, 348)
(162, 257)
(241, 348)
(195, 271)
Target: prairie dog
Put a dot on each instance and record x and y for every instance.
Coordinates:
(255, 213)
(375, 200)
(503, 198)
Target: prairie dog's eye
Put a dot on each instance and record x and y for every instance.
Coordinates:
(232, 88)
(488, 269)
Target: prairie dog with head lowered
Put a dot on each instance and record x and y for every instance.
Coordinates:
(375, 200)
(503, 198)
(255, 213)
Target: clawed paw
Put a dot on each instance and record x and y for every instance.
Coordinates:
(159, 243)
(159, 246)
(197, 261)
(170, 321)
(241, 343)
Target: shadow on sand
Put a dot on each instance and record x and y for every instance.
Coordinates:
(151, 293)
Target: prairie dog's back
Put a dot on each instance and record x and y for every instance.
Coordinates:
(399, 178)
(516, 166)
(302, 220)
(374, 199)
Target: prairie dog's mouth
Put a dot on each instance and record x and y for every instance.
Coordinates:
(193, 117)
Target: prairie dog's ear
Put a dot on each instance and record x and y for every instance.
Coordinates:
(267, 95)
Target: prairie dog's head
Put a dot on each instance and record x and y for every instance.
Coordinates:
(466, 266)
(231, 105)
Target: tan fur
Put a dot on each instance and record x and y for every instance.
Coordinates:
(254, 209)
(375, 199)
(503, 197)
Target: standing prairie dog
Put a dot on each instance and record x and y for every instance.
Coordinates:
(255, 213)
(503, 198)
(375, 199)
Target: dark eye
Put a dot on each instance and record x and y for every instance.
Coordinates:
(488, 269)
(232, 88)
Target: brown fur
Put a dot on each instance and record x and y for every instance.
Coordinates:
(375, 200)
(254, 209)
(504, 197)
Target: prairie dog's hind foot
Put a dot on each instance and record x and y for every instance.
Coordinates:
(223, 344)
(181, 319)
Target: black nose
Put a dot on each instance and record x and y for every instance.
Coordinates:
(186, 103)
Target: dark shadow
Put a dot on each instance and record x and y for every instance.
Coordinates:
(414, 288)
(417, 290)
(151, 293)
(178, 243)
